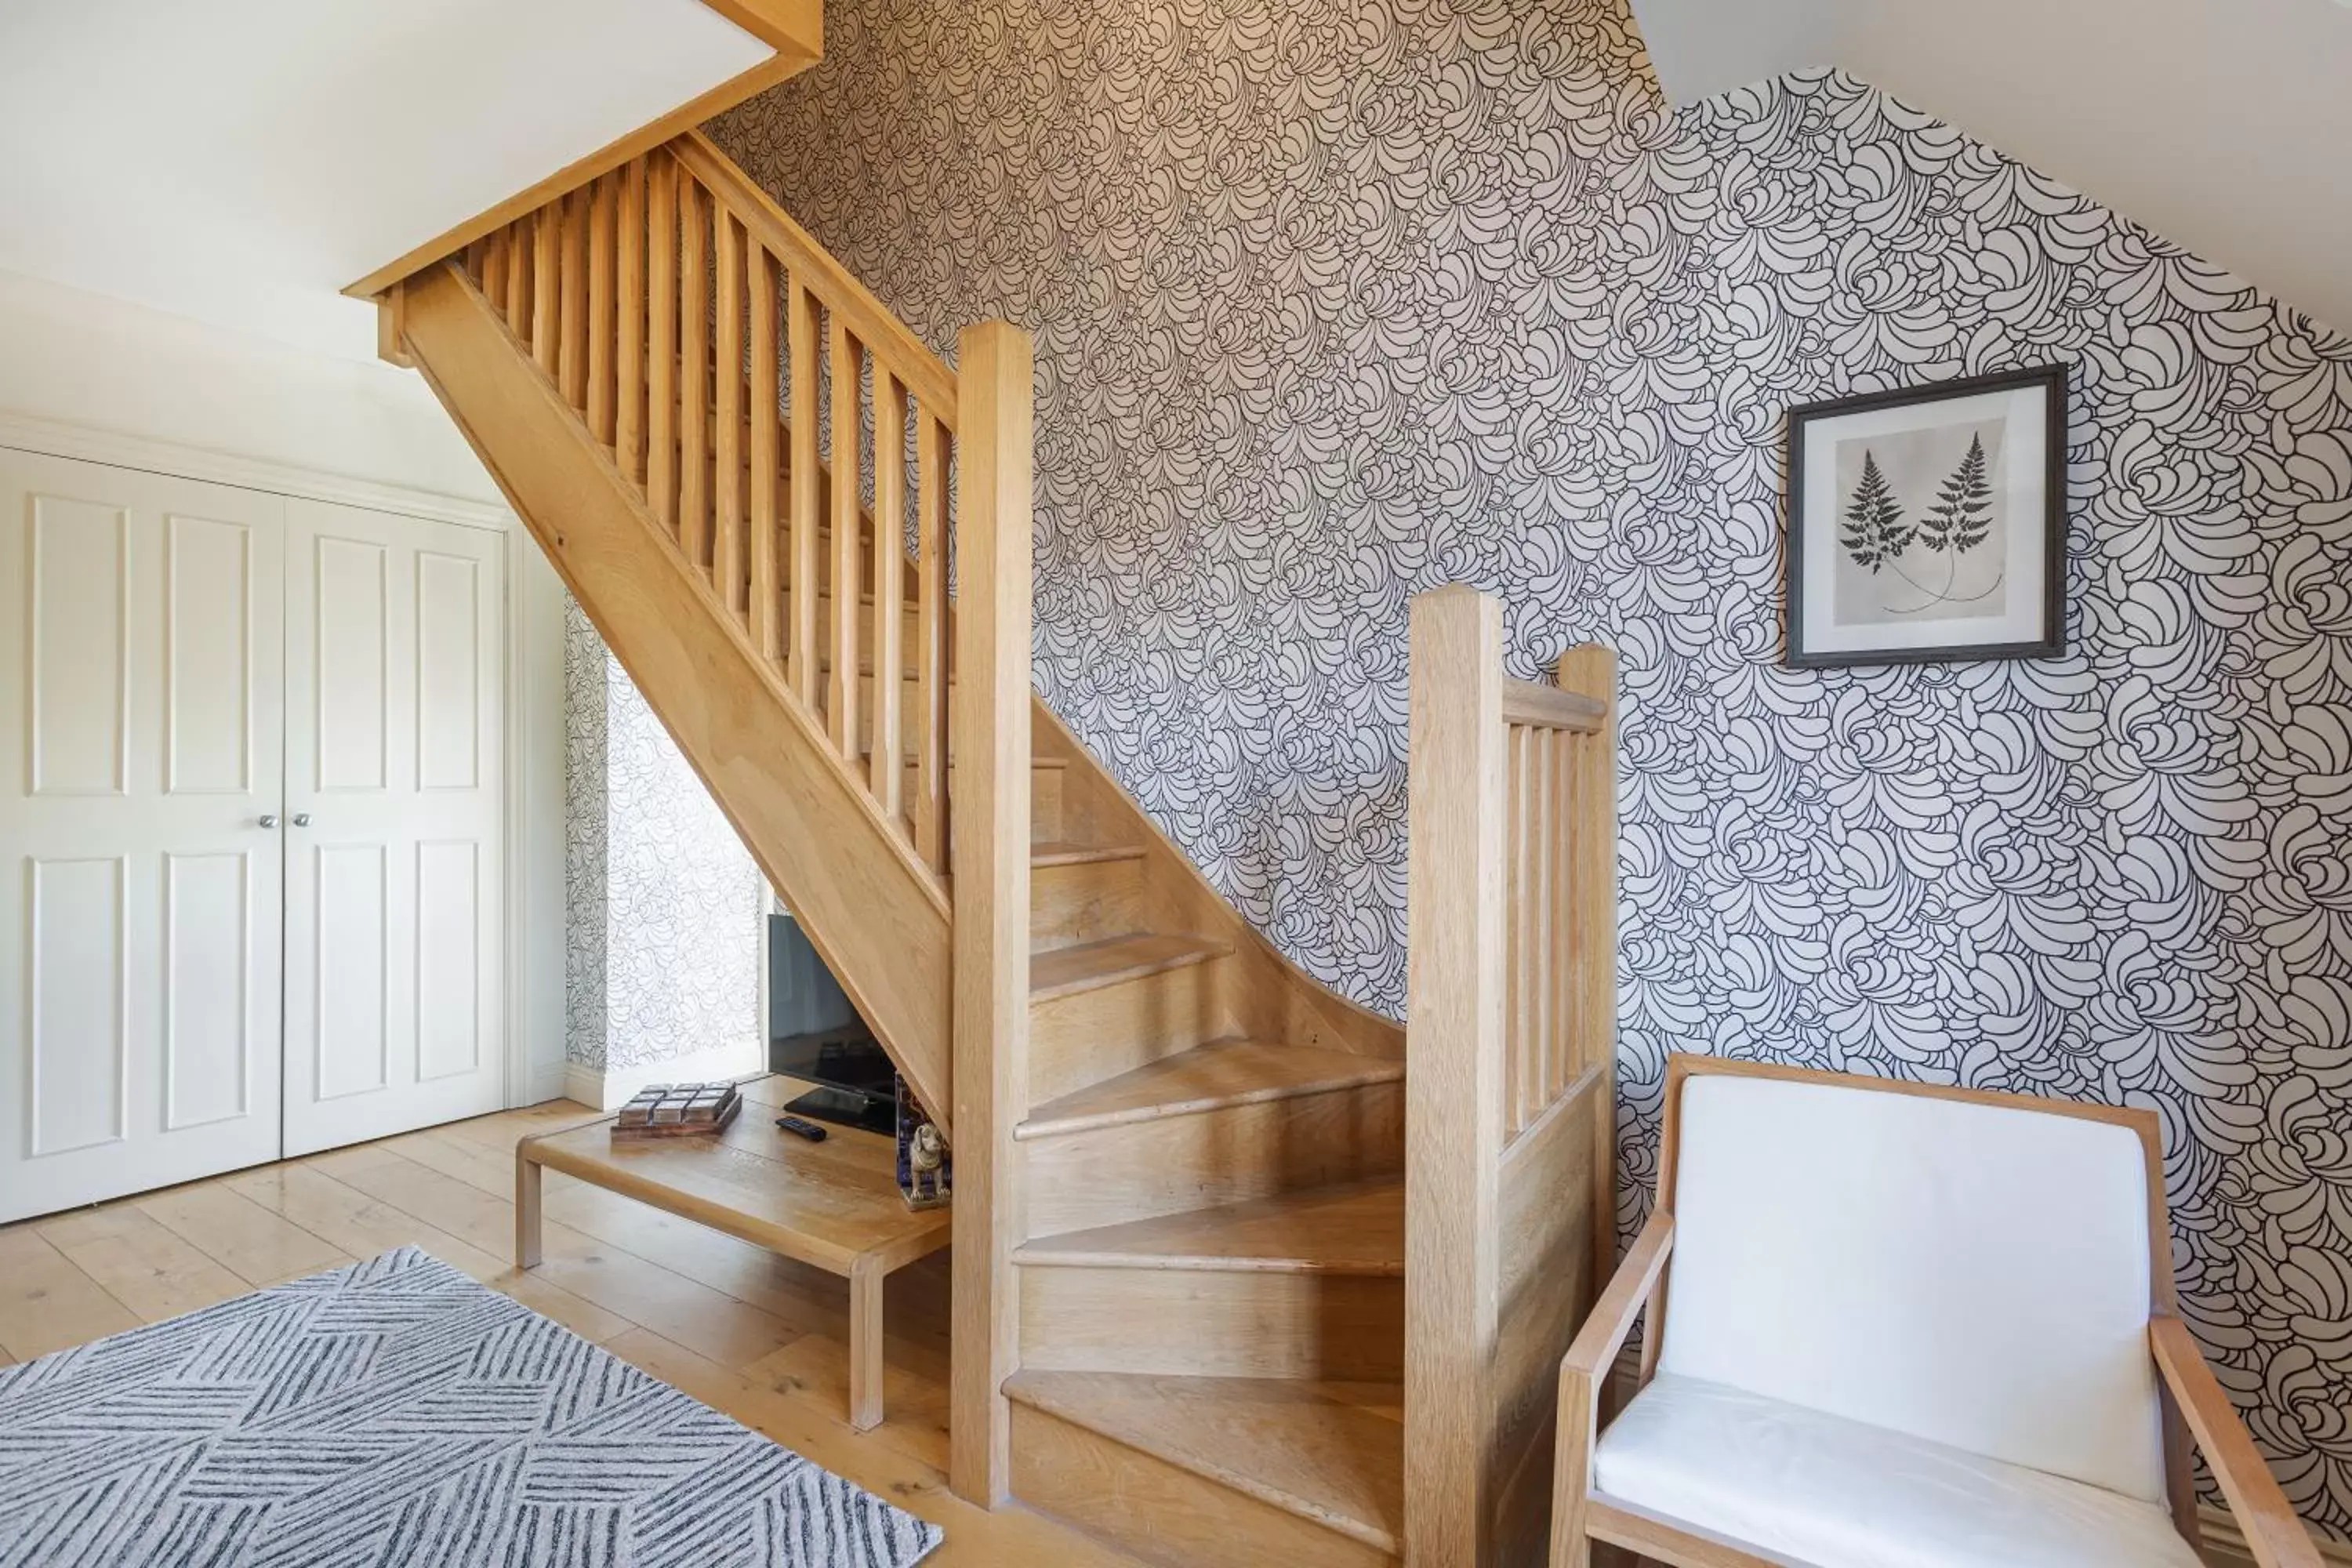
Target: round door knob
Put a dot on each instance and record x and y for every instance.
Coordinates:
(268, 819)
(301, 819)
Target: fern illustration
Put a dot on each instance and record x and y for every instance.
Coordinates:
(1874, 533)
(1962, 516)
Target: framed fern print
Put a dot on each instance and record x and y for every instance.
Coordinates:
(1929, 523)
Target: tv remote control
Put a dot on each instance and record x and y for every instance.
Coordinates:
(808, 1130)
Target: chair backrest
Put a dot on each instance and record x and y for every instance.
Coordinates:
(1978, 1272)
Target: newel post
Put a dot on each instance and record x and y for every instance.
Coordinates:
(1458, 789)
(989, 830)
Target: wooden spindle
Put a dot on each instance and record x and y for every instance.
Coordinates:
(727, 476)
(603, 199)
(546, 287)
(888, 777)
(1541, 972)
(629, 350)
(1592, 671)
(661, 340)
(847, 426)
(931, 642)
(693, 371)
(800, 329)
(763, 411)
(494, 268)
(571, 266)
(1566, 827)
(1514, 917)
(520, 250)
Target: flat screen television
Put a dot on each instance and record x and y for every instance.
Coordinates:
(857, 1085)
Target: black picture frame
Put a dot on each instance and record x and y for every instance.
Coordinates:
(2051, 380)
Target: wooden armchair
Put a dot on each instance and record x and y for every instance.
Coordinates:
(1893, 1324)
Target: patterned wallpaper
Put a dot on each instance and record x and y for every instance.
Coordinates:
(1337, 299)
(665, 907)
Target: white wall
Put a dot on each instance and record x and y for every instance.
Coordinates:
(84, 359)
(242, 161)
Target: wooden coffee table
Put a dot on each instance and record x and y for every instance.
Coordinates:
(834, 1205)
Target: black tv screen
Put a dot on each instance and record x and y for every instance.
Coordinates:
(849, 1060)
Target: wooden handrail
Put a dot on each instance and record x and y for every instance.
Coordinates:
(1511, 1039)
(1541, 706)
(867, 319)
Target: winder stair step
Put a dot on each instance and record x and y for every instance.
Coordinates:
(1329, 1453)
(1067, 971)
(1353, 1227)
(1210, 1076)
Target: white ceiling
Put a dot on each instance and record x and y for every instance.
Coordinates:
(239, 161)
(2223, 125)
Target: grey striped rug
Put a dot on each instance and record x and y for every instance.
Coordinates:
(396, 1412)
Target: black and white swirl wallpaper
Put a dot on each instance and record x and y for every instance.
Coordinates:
(1337, 299)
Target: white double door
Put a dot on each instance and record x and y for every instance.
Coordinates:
(250, 829)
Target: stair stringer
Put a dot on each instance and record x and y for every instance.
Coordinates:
(876, 914)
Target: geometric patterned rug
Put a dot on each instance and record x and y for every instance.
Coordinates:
(395, 1414)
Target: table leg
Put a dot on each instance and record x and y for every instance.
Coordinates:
(866, 1347)
(529, 1174)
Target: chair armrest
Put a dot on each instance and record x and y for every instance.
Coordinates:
(1614, 1315)
(1582, 1371)
(2273, 1534)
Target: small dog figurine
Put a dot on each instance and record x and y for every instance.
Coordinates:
(926, 1167)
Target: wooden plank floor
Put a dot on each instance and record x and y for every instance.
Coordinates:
(754, 1335)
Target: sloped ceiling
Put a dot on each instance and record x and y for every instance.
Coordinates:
(2223, 125)
(239, 161)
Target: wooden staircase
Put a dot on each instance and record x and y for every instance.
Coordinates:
(1182, 1317)
(1210, 1277)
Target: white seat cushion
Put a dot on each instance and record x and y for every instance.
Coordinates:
(1831, 1492)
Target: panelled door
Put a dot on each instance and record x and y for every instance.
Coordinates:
(394, 781)
(140, 734)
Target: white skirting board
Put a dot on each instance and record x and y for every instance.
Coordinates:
(2225, 1544)
(546, 1081)
(609, 1088)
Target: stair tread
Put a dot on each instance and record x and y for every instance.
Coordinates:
(1064, 971)
(1208, 1077)
(1329, 1452)
(1352, 1228)
(1054, 852)
(865, 759)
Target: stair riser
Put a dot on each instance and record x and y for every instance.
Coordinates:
(1090, 1036)
(1045, 802)
(909, 725)
(1231, 1154)
(1087, 901)
(910, 627)
(1162, 1513)
(1045, 798)
(1213, 1322)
